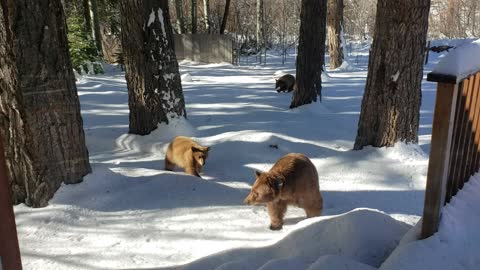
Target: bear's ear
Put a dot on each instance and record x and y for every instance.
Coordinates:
(195, 149)
(258, 173)
(207, 148)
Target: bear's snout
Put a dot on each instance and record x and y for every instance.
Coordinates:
(249, 199)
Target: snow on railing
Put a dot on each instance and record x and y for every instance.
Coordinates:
(455, 146)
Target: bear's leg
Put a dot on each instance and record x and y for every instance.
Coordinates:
(276, 211)
(169, 166)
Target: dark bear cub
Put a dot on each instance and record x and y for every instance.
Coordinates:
(186, 153)
(286, 83)
(293, 180)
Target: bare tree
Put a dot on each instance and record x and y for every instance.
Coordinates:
(154, 86)
(205, 15)
(391, 102)
(40, 116)
(194, 16)
(180, 17)
(335, 32)
(311, 52)
(225, 17)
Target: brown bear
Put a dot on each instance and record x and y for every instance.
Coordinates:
(186, 153)
(293, 180)
(285, 83)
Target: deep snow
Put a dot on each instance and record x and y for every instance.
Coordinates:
(130, 213)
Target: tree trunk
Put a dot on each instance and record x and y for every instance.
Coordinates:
(335, 32)
(180, 17)
(40, 116)
(205, 15)
(194, 16)
(225, 17)
(154, 86)
(311, 52)
(87, 17)
(259, 30)
(391, 102)
(95, 25)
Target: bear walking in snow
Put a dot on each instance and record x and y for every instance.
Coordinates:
(293, 180)
(285, 83)
(186, 153)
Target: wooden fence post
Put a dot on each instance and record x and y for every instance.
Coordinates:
(9, 251)
(437, 175)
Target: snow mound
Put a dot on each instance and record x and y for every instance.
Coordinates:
(346, 67)
(325, 76)
(186, 77)
(460, 62)
(363, 235)
(151, 142)
(455, 245)
(407, 152)
(338, 263)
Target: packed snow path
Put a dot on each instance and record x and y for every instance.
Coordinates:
(130, 213)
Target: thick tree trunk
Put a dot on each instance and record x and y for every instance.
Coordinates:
(225, 17)
(194, 16)
(87, 17)
(391, 102)
(180, 17)
(334, 28)
(205, 15)
(154, 86)
(311, 52)
(259, 24)
(40, 116)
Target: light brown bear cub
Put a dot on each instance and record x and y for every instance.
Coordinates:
(293, 180)
(186, 153)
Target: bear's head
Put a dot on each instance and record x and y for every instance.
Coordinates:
(200, 154)
(265, 189)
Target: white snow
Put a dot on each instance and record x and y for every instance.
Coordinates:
(186, 77)
(130, 213)
(151, 18)
(395, 76)
(455, 245)
(162, 24)
(462, 61)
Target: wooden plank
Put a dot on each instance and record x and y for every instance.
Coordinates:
(439, 156)
(9, 250)
(469, 138)
(475, 163)
(455, 148)
(441, 78)
(458, 157)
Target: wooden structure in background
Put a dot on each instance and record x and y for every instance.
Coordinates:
(9, 251)
(455, 146)
(205, 48)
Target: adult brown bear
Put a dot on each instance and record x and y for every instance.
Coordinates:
(293, 180)
(286, 83)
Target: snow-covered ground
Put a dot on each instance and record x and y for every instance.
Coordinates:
(130, 213)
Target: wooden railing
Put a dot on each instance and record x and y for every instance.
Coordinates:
(455, 146)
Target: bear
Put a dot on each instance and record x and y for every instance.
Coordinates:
(286, 83)
(293, 180)
(186, 153)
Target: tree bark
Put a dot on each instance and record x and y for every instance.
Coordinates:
(40, 116)
(225, 17)
(335, 32)
(180, 17)
(205, 15)
(154, 86)
(194, 16)
(391, 102)
(311, 52)
(87, 17)
(259, 24)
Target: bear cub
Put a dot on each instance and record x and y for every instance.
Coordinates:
(285, 83)
(186, 153)
(293, 180)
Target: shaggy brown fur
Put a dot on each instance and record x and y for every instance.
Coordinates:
(186, 153)
(286, 83)
(293, 180)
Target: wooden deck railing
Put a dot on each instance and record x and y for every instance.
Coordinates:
(455, 146)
